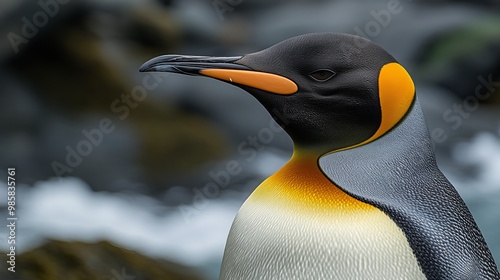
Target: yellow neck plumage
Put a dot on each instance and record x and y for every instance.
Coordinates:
(301, 185)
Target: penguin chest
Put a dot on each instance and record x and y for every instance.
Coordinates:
(299, 225)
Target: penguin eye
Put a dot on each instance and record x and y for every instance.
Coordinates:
(322, 75)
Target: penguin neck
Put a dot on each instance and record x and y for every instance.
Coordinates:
(300, 185)
(306, 152)
(301, 153)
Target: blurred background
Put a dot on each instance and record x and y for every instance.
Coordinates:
(120, 174)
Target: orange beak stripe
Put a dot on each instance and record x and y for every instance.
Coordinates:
(260, 80)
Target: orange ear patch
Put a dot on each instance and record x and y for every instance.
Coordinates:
(396, 93)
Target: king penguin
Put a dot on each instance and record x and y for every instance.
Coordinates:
(362, 196)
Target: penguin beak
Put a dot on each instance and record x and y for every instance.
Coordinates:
(226, 69)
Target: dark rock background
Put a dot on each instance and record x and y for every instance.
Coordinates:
(98, 261)
(164, 149)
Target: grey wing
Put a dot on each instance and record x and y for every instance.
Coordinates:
(397, 173)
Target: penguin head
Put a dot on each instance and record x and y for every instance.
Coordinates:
(328, 91)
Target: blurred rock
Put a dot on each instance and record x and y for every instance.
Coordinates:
(456, 59)
(82, 261)
(82, 68)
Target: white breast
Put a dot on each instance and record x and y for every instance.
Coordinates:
(270, 242)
